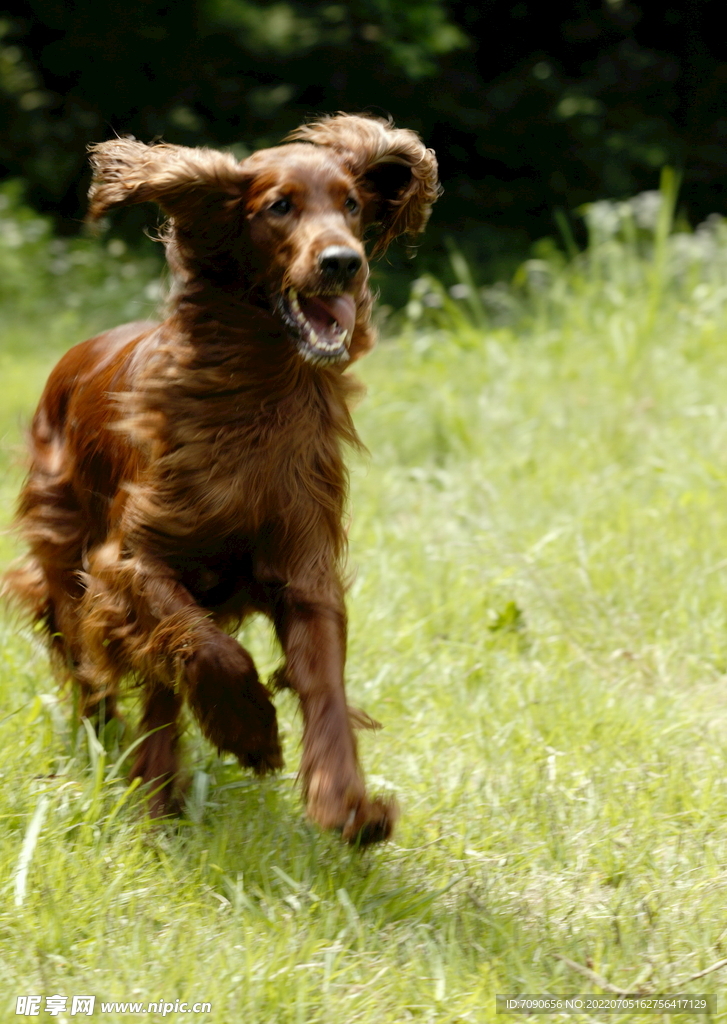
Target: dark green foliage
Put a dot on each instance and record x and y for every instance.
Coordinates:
(532, 109)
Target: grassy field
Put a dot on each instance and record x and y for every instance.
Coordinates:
(539, 619)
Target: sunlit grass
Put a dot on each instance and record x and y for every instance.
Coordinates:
(538, 620)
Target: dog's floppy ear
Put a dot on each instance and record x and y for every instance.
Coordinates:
(396, 173)
(184, 182)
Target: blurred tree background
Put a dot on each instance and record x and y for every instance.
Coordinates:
(532, 108)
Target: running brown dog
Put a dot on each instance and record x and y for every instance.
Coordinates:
(188, 473)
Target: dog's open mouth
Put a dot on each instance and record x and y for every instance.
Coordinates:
(322, 325)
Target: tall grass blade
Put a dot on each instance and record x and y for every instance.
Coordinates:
(29, 844)
(669, 190)
(566, 232)
(462, 272)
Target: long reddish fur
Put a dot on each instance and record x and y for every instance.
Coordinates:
(186, 474)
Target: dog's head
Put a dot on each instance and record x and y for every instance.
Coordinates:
(285, 228)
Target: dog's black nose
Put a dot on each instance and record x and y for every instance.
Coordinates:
(339, 262)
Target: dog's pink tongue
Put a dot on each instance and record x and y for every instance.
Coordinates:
(322, 310)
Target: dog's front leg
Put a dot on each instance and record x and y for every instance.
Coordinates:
(139, 617)
(312, 631)
(218, 676)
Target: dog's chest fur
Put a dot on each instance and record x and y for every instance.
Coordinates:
(232, 450)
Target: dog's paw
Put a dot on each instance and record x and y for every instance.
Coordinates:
(348, 810)
(246, 725)
(258, 746)
(372, 821)
(232, 705)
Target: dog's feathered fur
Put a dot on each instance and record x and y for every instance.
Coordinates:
(187, 473)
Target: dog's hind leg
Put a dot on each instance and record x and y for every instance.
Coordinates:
(97, 699)
(157, 759)
(48, 585)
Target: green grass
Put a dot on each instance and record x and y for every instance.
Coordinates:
(538, 617)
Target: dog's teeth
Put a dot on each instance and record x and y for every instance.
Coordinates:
(312, 336)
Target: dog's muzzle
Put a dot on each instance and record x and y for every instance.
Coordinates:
(321, 324)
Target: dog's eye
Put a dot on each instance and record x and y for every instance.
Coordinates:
(281, 207)
(351, 205)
